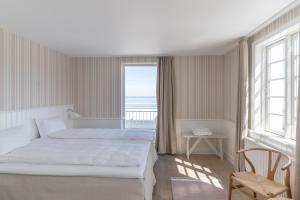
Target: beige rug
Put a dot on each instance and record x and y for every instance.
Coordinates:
(192, 189)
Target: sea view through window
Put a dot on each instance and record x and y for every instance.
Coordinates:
(140, 107)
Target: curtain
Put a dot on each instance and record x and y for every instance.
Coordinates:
(242, 101)
(166, 133)
(297, 180)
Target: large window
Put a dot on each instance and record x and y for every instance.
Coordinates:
(275, 81)
(139, 96)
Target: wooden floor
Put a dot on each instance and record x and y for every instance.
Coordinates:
(178, 166)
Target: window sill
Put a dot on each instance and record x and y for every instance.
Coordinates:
(282, 144)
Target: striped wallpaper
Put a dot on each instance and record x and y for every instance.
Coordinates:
(231, 64)
(32, 75)
(199, 87)
(99, 85)
(199, 82)
(36, 76)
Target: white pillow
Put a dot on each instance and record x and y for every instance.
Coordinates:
(13, 138)
(50, 125)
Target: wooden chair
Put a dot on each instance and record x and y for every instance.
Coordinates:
(258, 184)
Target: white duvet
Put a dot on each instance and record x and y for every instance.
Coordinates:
(81, 152)
(112, 134)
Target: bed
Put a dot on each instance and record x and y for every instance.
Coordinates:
(76, 164)
(78, 169)
(50, 160)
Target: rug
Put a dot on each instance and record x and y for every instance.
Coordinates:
(191, 189)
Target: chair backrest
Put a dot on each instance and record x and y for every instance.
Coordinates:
(274, 159)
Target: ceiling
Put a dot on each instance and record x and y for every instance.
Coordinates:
(136, 27)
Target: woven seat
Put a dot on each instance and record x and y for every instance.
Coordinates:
(265, 186)
(259, 184)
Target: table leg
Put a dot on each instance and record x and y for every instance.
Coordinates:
(212, 147)
(195, 145)
(188, 148)
(220, 141)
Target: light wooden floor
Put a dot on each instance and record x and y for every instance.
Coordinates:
(178, 166)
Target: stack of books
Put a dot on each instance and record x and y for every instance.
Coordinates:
(201, 131)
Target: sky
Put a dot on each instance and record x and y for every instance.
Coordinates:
(140, 81)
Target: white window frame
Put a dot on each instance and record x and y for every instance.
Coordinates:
(260, 51)
(123, 66)
(266, 102)
(294, 78)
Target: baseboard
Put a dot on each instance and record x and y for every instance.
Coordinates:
(229, 158)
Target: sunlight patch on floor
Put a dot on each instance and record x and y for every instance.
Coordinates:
(197, 172)
(191, 173)
(181, 170)
(187, 163)
(197, 166)
(178, 160)
(207, 169)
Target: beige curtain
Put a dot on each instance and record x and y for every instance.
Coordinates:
(297, 180)
(242, 100)
(166, 134)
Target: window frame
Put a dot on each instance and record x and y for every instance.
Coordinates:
(123, 66)
(294, 78)
(261, 64)
(268, 80)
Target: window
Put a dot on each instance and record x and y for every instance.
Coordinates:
(139, 96)
(276, 87)
(275, 81)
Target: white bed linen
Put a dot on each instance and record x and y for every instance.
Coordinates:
(81, 170)
(112, 134)
(15, 184)
(81, 152)
(13, 138)
(50, 125)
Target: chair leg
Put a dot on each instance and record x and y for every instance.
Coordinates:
(255, 196)
(289, 193)
(230, 187)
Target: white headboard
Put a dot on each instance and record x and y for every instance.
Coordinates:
(26, 117)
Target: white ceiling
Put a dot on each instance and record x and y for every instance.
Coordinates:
(136, 27)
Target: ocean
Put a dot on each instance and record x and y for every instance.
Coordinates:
(140, 103)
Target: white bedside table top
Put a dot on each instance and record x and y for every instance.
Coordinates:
(214, 135)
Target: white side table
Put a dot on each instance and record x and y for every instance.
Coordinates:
(206, 138)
